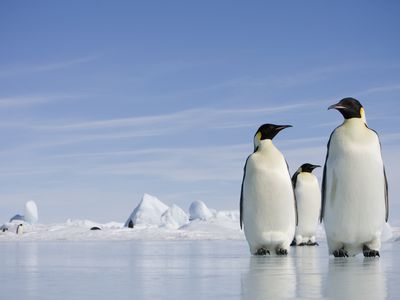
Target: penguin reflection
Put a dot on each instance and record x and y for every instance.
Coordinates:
(272, 278)
(355, 279)
(308, 271)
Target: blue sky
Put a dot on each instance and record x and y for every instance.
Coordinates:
(102, 101)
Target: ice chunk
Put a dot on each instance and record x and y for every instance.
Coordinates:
(17, 219)
(174, 217)
(31, 212)
(198, 210)
(148, 211)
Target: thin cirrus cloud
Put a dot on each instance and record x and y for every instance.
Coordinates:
(380, 89)
(180, 118)
(61, 134)
(24, 101)
(17, 70)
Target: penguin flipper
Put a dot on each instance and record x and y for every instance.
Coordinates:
(386, 196)
(294, 179)
(321, 215)
(323, 186)
(294, 195)
(385, 179)
(241, 194)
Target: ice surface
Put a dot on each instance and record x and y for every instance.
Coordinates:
(198, 210)
(204, 259)
(218, 269)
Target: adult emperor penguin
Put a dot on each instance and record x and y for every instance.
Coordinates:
(308, 203)
(354, 186)
(267, 206)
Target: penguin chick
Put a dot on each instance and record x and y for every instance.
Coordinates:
(354, 186)
(267, 206)
(308, 203)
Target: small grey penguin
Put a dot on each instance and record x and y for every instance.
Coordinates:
(267, 206)
(355, 202)
(308, 202)
(20, 229)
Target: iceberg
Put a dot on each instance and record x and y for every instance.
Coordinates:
(17, 219)
(148, 212)
(174, 217)
(198, 210)
(31, 212)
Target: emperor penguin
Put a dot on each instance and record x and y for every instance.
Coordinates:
(308, 203)
(355, 202)
(20, 229)
(267, 206)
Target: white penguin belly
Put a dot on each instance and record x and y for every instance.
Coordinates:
(308, 199)
(355, 203)
(269, 215)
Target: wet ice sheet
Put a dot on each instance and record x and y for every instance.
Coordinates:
(189, 269)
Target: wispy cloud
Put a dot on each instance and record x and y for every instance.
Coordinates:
(9, 71)
(380, 89)
(23, 101)
(208, 117)
(177, 164)
(32, 100)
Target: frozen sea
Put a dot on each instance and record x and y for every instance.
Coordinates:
(189, 269)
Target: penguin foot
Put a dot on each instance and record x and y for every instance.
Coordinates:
(302, 244)
(340, 253)
(293, 244)
(369, 252)
(281, 251)
(262, 252)
(309, 243)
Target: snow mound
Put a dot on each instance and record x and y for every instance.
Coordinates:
(82, 223)
(174, 217)
(198, 210)
(31, 212)
(148, 211)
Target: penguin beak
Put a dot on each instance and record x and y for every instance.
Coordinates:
(316, 166)
(337, 106)
(281, 127)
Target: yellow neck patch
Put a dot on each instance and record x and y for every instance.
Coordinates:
(362, 113)
(258, 136)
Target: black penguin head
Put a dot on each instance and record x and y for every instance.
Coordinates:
(267, 132)
(349, 108)
(308, 168)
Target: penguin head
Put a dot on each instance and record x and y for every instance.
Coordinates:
(267, 132)
(349, 108)
(307, 168)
